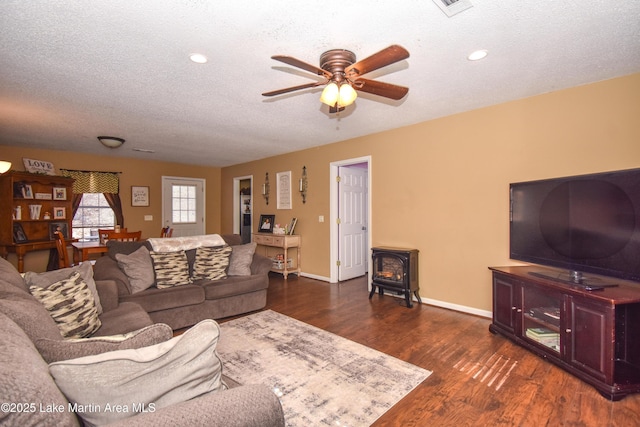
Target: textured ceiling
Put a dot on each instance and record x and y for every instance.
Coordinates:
(73, 70)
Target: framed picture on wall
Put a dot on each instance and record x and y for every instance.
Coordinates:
(139, 196)
(266, 223)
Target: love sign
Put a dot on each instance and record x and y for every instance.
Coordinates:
(38, 166)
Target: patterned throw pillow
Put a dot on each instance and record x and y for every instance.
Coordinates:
(211, 263)
(171, 268)
(71, 304)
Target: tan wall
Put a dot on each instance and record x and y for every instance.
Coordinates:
(439, 186)
(134, 172)
(442, 186)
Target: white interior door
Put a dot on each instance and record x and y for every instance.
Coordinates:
(183, 205)
(352, 227)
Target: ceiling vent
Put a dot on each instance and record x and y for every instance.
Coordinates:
(453, 7)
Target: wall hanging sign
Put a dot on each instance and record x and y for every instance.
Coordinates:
(43, 196)
(283, 180)
(38, 166)
(139, 196)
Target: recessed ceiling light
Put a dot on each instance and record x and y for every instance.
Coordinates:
(477, 55)
(198, 58)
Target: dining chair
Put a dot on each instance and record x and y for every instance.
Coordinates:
(61, 246)
(166, 231)
(123, 236)
(103, 233)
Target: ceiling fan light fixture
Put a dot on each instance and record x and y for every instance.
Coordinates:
(330, 94)
(347, 95)
(111, 141)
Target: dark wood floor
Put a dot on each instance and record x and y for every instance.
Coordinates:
(479, 379)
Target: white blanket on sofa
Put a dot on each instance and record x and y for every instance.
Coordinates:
(175, 244)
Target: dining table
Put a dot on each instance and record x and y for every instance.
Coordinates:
(82, 250)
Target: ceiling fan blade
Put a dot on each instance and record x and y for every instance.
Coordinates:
(388, 56)
(297, 63)
(375, 87)
(293, 88)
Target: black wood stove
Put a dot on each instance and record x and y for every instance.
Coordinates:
(395, 270)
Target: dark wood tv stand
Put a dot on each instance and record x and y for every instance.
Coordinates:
(594, 335)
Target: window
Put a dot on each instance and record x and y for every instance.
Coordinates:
(184, 203)
(93, 213)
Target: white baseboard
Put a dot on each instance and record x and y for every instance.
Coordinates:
(315, 276)
(457, 307)
(429, 301)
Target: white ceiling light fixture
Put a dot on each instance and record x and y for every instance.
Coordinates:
(4, 166)
(198, 58)
(477, 55)
(111, 141)
(344, 95)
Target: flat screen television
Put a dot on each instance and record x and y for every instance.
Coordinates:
(580, 224)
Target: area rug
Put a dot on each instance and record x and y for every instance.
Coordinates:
(321, 378)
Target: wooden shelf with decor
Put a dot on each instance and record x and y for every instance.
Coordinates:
(19, 192)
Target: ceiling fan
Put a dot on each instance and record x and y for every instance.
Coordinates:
(343, 76)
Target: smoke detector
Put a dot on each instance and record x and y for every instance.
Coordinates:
(453, 7)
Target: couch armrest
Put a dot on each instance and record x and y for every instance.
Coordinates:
(107, 268)
(260, 264)
(108, 293)
(244, 406)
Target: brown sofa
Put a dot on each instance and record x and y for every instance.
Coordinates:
(186, 305)
(31, 340)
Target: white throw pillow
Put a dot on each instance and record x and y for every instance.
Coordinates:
(148, 378)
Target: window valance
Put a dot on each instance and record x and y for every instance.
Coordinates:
(93, 182)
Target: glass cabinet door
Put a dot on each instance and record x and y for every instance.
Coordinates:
(541, 317)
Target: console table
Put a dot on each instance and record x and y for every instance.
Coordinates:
(594, 335)
(284, 242)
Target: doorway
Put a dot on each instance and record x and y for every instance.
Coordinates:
(183, 205)
(350, 218)
(243, 207)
